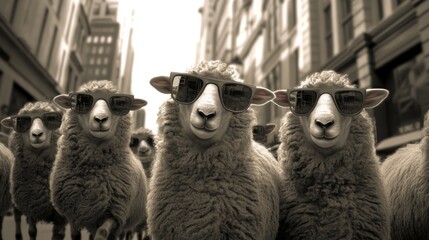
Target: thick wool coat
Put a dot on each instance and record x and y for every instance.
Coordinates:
(92, 181)
(406, 174)
(226, 191)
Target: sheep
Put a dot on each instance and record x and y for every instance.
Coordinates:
(142, 144)
(260, 132)
(96, 182)
(405, 173)
(208, 180)
(34, 145)
(332, 186)
(6, 161)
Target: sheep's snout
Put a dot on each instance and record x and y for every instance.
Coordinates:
(38, 134)
(327, 127)
(144, 149)
(208, 119)
(101, 122)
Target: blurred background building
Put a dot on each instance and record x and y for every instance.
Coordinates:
(49, 47)
(380, 43)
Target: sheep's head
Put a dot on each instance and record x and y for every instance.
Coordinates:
(36, 123)
(99, 108)
(325, 104)
(208, 96)
(260, 132)
(142, 144)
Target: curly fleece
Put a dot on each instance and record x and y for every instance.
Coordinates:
(6, 161)
(407, 174)
(93, 181)
(340, 196)
(226, 191)
(31, 170)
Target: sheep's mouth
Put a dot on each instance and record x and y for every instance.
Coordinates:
(204, 128)
(100, 130)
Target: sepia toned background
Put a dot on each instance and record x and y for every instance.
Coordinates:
(50, 47)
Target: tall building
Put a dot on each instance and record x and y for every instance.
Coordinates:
(37, 39)
(109, 50)
(381, 43)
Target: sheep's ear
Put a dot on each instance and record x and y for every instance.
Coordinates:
(282, 98)
(138, 103)
(161, 84)
(269, 128)
(375, 96)
(63, 101)
(262, 96)
(7, 122)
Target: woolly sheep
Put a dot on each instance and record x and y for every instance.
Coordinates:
(260, 132)
(6, 161)
(142, 143)
(208, 180)
(34, 151)
(143, 146)
(405, 174)
(97, 182)
(332, 183)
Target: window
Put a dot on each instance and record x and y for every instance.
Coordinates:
(60, 4)
(52, 45)
(327, 13)
(14, 8)
(291, 14)
(398, 2)
(347, 21)
(102, 39)
(96, 9)
(408, 84)
(91, 61)
(99, 61)
(106, 60)
(104, 71)
(97, 71)
(100, 50)
(109, 39)
(95, 39)
(42, 32)
(88, 39)
(94, 50)
(69, 20)
(295, 68)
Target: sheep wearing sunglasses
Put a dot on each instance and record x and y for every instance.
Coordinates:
(332, 183)
(208, 181)
(34, 145)
(97, 183)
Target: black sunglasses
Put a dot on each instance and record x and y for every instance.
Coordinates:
(349, 102)
(235, 97)
(119, 104)
(134, 142)
(23, 122)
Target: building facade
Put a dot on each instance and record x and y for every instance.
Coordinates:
(277, 43)
(37, 41)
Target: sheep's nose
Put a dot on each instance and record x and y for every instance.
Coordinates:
(325, 122)
(37, 133)
(101, 118)
(207, 113)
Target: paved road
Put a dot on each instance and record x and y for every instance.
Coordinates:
(44, 230)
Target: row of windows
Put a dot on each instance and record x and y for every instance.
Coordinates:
(101, 50)
(97, 71)
(98, 61)
(103, 39)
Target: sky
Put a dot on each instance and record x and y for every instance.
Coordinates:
(166, 39)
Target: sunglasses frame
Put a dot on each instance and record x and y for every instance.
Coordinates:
(320, 92)
(207, 80)
(101, 95)
(33, 116)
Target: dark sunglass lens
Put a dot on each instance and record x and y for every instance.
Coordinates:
(186, 89)
(120, 105)
(236, 97)
(134, 142)
(22, 123)
(52, 120)
(82, 103)
(302, 101)
(349, 102)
